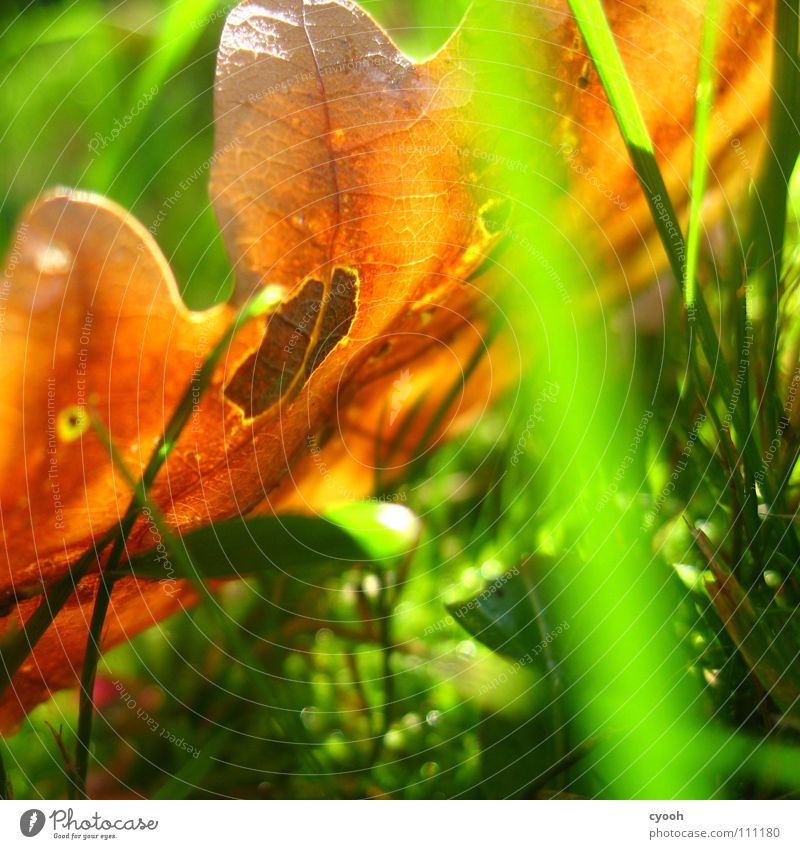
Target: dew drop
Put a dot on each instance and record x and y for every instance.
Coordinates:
(429, 769)
(466, 649)
(372, 586)
(310, 718)
(433, 717)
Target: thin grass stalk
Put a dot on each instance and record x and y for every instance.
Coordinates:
(186, 568)
(4, 784)
(599, 39)
(699, 179)
(14, 653)
(770, 199)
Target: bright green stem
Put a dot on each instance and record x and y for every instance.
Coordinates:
(180, 417)
(187, 570)
(599, 39)
(705, 93)
(4, 785)
(88, 676)
(770, 198)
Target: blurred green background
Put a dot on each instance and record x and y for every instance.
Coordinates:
(73, 72)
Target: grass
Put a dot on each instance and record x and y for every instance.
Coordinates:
(677, 675)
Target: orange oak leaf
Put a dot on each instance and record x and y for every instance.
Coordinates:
(335, 172)
(356, 185)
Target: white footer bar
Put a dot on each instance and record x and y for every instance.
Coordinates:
(400, 825)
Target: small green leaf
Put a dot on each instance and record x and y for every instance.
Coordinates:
(502, 616)
(355, 532)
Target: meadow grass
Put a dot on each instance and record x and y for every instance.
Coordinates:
(453, 674)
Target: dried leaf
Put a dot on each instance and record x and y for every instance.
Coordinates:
(318, 198)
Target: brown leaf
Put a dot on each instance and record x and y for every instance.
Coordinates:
(328, 191)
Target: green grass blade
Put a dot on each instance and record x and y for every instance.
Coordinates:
(15, 650)
(599, 39)
(770, 199)
(181, 25)
(699, 179)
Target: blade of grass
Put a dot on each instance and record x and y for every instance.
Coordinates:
(628, 678)
(4, 785)
(770, 198)
(13, 654)
(187, 569)
(197, 385)
(599, 38)
(694, 231)
(699, 179)
(458, 386)
(77, 783)
(181, 25)
(395, 446)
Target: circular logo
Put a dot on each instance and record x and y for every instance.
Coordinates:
(31, 822)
